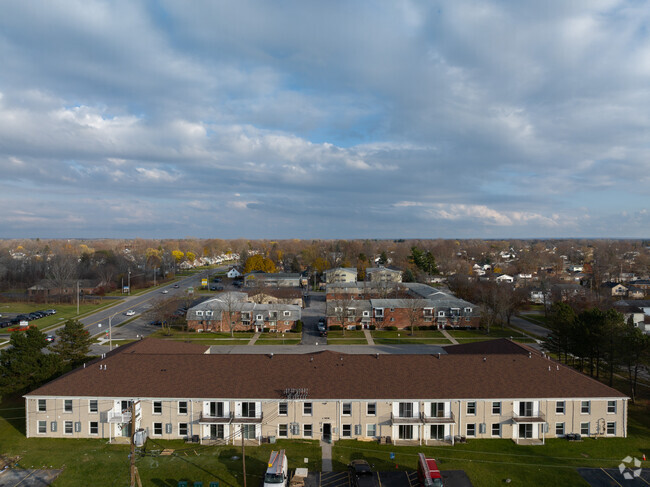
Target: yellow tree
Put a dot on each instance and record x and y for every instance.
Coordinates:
(258, 263)
(178, 255)
(191, 256)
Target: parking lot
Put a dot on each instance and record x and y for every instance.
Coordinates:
(399, 478)
(611, 477)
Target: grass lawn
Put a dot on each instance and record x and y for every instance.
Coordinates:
(277, 341)
(536, 319)
(490, 462)
(203, 335)
(411, 340)
(348, 334)
(95, 462)
(347, 341)
(494, 333)
(63, 311)
(418, 333)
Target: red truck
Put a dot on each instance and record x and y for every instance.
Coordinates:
(428, 472)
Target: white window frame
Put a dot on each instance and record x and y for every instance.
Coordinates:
(607, 425)
(471, 426)
(199, 313)
(498, 426)
(286, 313)
(285, 427)
(585, 405)
(65, 427)
(285, 406)
(38, 427)
(348, 406)
(90, 406)
(307, 408)
(154, 405)
(349, 431)
(374, 409)
(498, 407)
(369, 427)
(588, 428)
(179, 408)
(306, 427)
(154, 427)
(187, 429)
(67, 402)
(558, 409)
(467, 408)
(90, 428)
(38, 405)
(558, 426)
(613, 406)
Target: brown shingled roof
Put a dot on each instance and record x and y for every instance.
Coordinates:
(137, 372)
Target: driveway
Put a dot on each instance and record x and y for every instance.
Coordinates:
(310, 315)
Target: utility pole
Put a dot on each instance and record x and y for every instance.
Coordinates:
(243, 454)
(129, 282)
(77, 297)
(134, 470)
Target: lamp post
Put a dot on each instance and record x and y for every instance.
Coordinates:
(110, 332)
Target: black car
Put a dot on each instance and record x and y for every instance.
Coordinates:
(361, 475)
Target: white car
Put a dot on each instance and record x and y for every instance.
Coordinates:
(130, 313)
(165, 291)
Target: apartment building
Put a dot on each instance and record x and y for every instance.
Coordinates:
(495, 389)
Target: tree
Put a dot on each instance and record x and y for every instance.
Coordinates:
(258, 262)
(414, 309)
(73, 344)
(23, 365)
(191, 256)
(562, 318)
(425, 261)
(636, 345)
(178, 255)
(340, 311)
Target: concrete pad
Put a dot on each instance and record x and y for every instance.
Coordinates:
(28, 478)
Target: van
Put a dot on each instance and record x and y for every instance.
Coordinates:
(428, 473)
(276, 471)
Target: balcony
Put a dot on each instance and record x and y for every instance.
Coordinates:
(529, 418)
(445, 419)
(404, 419)
(207, 419)
(119, 416)
(247, 419)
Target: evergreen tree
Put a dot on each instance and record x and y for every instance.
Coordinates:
(73, 344)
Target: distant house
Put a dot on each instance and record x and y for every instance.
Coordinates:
(615, 289)
(576, 268)
(504, 278)
(537, 296)
(383, 274)
(341, 274)
(269, 295)
(634, 292)
(49, 287)
(279, 279)
(233, 273)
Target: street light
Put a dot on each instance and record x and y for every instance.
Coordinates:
(110, 331)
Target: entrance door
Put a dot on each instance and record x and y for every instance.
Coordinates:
(126, 430)
(525, 431)
(437, 431)
(327, 432)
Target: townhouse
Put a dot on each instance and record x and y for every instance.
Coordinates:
(383, 274)
(340, 274)
(278, 279)
(172, 390)
(234, 308)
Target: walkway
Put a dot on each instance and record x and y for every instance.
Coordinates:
(327, 456)
(254, 339)
(368, 336)
(446, 334)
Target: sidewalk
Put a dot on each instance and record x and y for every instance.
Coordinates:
(368, 336)
(327, 456)
(446, 334)
(254, 339)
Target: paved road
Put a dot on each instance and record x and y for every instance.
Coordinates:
(528, 327)
(310, 315)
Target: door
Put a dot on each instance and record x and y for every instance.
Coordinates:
(525, 431)
(327, 432)
(437, 431)
(126, 430)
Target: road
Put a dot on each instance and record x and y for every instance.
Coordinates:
(310, 315)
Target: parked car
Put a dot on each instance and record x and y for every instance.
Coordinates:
(361, 475)
(50, 338)
(130, 313)
(176, 286)
(50, 311)
(165, 291)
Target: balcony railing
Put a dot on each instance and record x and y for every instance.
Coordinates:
(446, 418)
(396, 419)
(119, 416)
(537, 417)
(247, 419)
(208, 419)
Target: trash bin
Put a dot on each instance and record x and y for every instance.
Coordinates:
(271, 439)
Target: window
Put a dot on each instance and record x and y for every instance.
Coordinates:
(216, 409)
(42, 405)
(287, 313)
(559, 407)
(392, 310)
(611, 407)
(307, 431)
(585, 406)
(92, 406)
(559, 429)
(405, 409)
(611, 428)
(437, 409)
(405, 432)
(157, 429)
(371, 409)
(67, 427)
(471, 430)
(526, 409)
(94, 428)
(347, 409)
(248, 409)
(347, 430)
(67, 405)
(496, 430)
(42, 427)
(471, 408)
(216, 432)
(209, 313)
(182, 407)
(283, 409)
(283, 430)
(248, 430)
(157, 407)
(584, 429)
(437, 431)
(371, 430)
(182, 429)
(306, 409)
(496, 407)
(199, 313)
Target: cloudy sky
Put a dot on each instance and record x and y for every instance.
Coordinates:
(328, 119)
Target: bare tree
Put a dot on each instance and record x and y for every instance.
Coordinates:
(414, 309)
(62, 270)
(232, 304)
(340, 311)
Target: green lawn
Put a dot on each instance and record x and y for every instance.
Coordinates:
(536, 319)
(63, 311)
(347, 334)
(417, 333)
(346, 341)
(412, 340)
(494, 333)
(203, 335)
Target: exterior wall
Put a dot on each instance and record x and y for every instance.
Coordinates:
(168, 419)
(282, 325)
(340, 275)
(384, 276)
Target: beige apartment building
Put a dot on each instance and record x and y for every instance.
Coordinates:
(495, 389)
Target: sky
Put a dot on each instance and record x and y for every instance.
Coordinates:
(328, 119)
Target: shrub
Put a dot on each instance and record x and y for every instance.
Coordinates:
(359, 327)
(372, 327)
(391, 328)
(266, 330)
(336, 327)
(298, 328)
